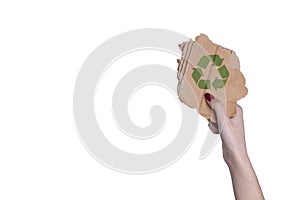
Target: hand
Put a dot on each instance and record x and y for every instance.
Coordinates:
(231, 130)
(244, 180)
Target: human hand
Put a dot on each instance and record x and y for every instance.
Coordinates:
(231, 130)
(244, 180)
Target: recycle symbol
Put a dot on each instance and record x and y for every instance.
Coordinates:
(203, 63)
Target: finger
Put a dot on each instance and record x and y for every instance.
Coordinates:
(238, 118)
(208, 98)
(213, 123)
(213, 127)
(239, 111)
(218, 109)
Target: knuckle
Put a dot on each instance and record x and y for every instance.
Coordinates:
(216, 104)
(239, 108)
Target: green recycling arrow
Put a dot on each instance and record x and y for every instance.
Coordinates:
(218, 83)
(204, 61)
(197, 73)
(216, 60)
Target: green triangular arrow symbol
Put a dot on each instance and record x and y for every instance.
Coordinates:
(223, 71)
(204, 84)
(218, 83)
(217, 61)
(203, 62)
(197, 73)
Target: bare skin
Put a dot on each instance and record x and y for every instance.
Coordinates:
(244, 180)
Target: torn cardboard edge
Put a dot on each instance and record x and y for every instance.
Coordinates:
(192, 93)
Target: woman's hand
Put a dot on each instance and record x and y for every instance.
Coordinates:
(244, 180)
(231, 130)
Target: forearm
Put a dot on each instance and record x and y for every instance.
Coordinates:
(244, 180)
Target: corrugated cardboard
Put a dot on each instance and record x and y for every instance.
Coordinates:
(188, 90)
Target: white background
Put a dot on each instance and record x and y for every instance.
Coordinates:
(42, 47)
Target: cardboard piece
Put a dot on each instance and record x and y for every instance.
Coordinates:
(206, 67)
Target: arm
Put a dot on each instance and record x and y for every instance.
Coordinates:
(244, 180)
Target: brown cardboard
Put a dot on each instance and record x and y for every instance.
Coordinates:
(188, 90)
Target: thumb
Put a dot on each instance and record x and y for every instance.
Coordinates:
(217, 108)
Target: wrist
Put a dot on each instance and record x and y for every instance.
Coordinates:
(236, 158)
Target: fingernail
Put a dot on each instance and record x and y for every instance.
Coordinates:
(208, 97)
